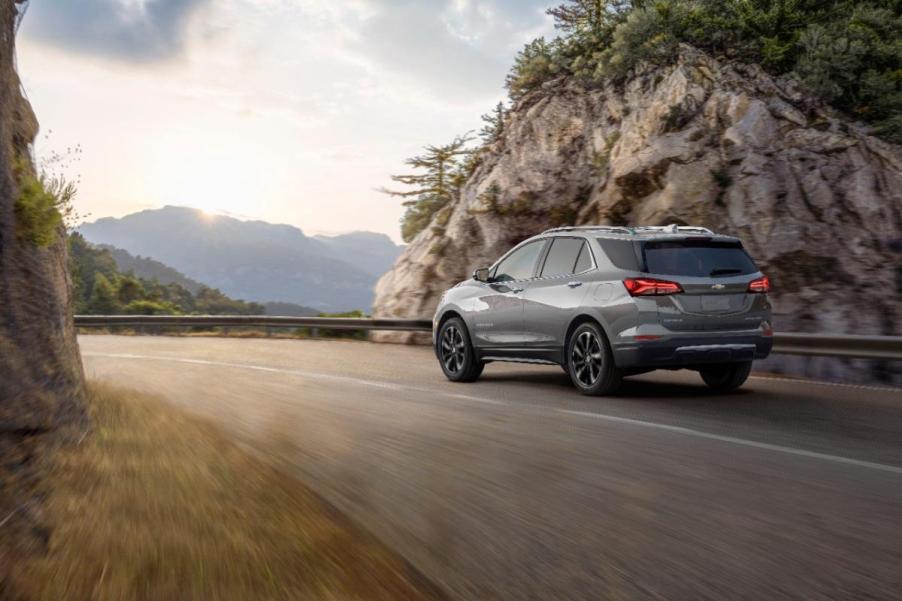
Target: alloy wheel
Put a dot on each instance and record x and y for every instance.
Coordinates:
(587, 358)
(453, 349)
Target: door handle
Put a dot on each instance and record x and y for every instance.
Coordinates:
(516, 290)
(574, 284)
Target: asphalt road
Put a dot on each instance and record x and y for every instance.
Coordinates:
(518, 488)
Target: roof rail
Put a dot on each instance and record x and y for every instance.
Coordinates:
(673, 228)
(629, 230)
(609, 228)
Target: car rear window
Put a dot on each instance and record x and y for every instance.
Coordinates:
(697, 258)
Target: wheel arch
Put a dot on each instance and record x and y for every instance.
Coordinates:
(577, 321)
(447, 314)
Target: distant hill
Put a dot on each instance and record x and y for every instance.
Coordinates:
(254, 260)
(288, 310)
(101, 287)
(372, 252)
(149, 269)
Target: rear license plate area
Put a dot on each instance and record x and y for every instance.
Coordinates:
(716, 303)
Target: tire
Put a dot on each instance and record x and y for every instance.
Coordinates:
(726, 377)
(590, 361)
(455, 352)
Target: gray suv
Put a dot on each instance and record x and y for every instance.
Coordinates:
(606, 302)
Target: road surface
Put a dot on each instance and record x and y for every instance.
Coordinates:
(518, 488)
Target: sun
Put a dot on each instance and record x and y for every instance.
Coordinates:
(216, 186)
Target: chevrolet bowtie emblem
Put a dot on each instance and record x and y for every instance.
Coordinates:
(718, 287)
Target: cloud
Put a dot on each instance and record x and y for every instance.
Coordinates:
(130, 30)
(457, 48)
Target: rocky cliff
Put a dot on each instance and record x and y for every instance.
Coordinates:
(816, 199)
(40, 368)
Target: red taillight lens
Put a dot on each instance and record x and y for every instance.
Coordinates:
(761, 285)
(649, 287)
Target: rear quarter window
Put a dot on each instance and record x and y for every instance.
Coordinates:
(622, 253)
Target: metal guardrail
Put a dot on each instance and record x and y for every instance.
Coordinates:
(252, 321)
(839, 345)
(825, 345)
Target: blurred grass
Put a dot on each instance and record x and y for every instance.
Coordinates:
(155, 504)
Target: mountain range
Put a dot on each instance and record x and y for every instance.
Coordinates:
(251, 260)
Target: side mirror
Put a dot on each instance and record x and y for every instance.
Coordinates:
(481, 275)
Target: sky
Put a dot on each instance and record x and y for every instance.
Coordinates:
(290, 111)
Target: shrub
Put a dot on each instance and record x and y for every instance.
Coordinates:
(37, 216)
(147, 307)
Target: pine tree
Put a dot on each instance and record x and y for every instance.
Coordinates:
(533, 65)
(494, 124)
(590, 16)
(434, 188)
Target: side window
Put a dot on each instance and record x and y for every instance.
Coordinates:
(521, 264)
(584, 260)
(562, 257)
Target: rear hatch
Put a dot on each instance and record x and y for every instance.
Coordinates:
(714, 276)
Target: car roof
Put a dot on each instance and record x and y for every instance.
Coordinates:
(671, 232)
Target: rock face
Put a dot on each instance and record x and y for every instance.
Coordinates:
(40, 369)
(817, 200)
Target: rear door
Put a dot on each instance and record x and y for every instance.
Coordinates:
(498, 320)
(715, 277)
(550, 300)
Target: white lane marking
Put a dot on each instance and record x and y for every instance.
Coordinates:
(475, 399)
(302, 373)
(738, 441)
(832, 384)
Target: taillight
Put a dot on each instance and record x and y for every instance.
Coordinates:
(650, 287)
(760, 286)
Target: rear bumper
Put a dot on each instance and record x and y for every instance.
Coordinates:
(695, 350)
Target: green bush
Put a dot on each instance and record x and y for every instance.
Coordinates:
(147, 307)
(38, 218)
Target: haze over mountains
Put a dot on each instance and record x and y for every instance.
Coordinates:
(255, 260)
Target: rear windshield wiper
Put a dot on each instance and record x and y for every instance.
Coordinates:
(716, 272)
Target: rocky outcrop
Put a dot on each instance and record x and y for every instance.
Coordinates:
(40, 369)
(816, 199)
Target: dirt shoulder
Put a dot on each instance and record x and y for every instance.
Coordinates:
(156, 504)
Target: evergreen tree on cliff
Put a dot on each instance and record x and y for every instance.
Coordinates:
(432, 189)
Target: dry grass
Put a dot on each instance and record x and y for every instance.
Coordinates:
(155, 504)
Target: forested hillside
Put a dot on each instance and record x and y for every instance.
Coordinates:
(150, 269)
(101, 288)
